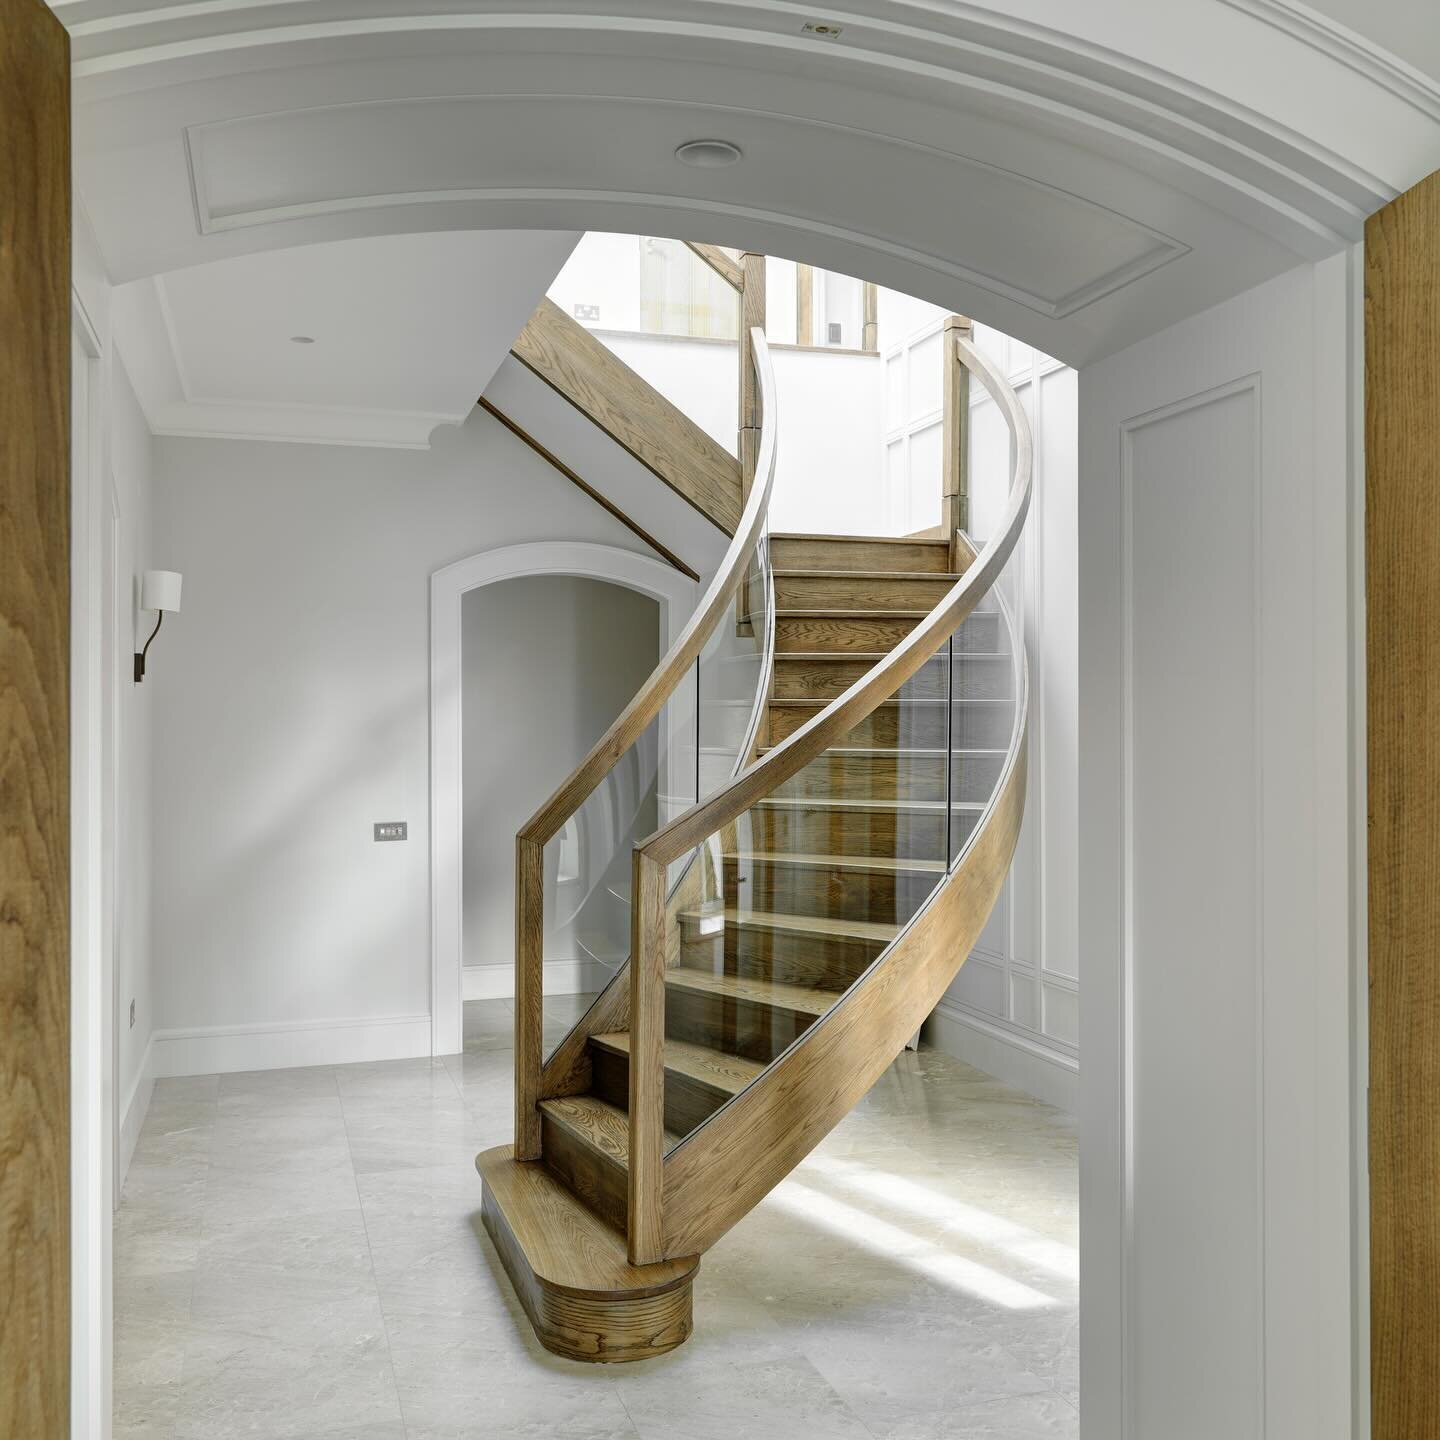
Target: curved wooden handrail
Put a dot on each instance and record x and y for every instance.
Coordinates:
(630, 724)
(680, 1204)
(884, 678)
(606, 753)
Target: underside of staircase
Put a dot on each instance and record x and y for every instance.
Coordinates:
(807, 892)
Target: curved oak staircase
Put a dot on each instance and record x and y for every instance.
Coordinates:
(790, 931)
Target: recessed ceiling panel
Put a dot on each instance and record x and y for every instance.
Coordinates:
(1049, 250)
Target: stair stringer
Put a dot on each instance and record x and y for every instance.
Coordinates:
(726, 1167)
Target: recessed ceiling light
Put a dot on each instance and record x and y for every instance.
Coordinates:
(302, 339)
(708, 154)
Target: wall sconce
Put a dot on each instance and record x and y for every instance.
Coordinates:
(159, 591)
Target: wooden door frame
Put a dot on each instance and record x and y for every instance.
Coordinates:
(1402, 664)
(35, 752)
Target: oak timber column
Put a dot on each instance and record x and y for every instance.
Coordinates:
(34, 723)
(955, 436)
(752, 313)
(1402, 595)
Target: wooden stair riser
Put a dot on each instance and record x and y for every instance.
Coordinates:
(570, 1270)
(814, 677)
(600, 1180)
(892, 834)
(787, 957)
(977, 725)
(798, 630)
(748, 1028)
(688, 1102)
(889, 897)
(901, 776)
(796, 590)
(829, 552)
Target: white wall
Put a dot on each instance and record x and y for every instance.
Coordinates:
(549, 661)
(132, 468)
(1217, 903)
(291, 713)
(111, 1074)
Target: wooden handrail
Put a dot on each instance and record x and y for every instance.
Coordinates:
(880, 682)
(720, 262)
(648, 1224)
(605, 754)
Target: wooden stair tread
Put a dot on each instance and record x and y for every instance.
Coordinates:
(565, 1244)
(928, 575)
(824, 802)
(911, 752)
(850, 615)
(595, 1123)
(856, 539)
(799, 924)
(731, 1073)
(876, 863)
(819, 703)
(804, 999)
(849, 656)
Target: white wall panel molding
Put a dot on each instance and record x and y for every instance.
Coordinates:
(223, 1049)
(1216, 1012)
(1009, 1055)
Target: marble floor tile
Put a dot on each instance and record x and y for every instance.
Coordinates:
(301, 1372)
(1024, 1417)
(298, 1254)
(278, 1263)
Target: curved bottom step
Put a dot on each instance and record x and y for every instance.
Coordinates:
(570, 1271)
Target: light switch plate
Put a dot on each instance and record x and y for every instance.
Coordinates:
(392, 830)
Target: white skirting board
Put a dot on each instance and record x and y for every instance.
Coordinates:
(1048, 1075)
(225, 1048)
(562, 977)
(132, 1117)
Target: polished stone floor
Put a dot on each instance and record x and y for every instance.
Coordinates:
(298, 1254)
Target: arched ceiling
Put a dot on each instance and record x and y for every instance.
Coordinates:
(1078, 175)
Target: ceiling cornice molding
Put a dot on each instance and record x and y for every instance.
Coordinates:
(1064, 79)
(147, 337)
(296, 424)
(1368, 60)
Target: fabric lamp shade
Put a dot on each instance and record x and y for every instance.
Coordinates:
(160, 590)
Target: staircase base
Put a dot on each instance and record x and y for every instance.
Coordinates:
(570, 1271)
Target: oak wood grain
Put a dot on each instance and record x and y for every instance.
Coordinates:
(556, 463)
(1402, 604)
(859, 590)
(721, 1171)
(570, 1272)
(720, 261)
(34, 723)
(954, 432)
(789, 551)
(841, 715)
(634, 414)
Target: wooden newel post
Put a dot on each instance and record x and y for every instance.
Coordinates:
(955, 412)
(752, 313)
(647, 1060)
(529, 993)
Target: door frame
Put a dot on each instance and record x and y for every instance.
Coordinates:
(676, 594)
(93, 1093)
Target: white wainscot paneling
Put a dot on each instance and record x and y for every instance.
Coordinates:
(1191, 969)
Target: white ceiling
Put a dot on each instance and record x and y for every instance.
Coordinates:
(408, 331)
(1076, 175)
